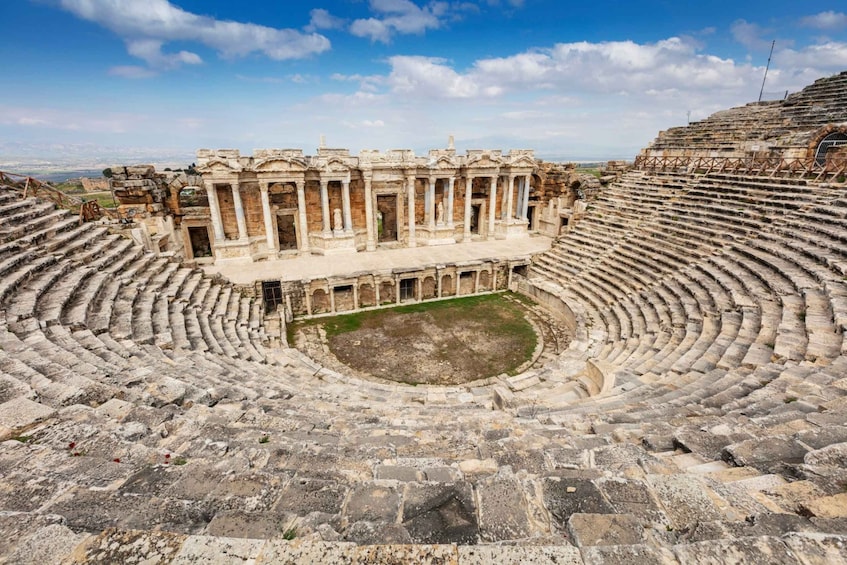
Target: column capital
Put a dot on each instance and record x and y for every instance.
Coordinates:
(264, 186)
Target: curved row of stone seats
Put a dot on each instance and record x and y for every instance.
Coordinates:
(460, 478)
(751, 300)
(816, 106)
(107, 284)
(145, 437)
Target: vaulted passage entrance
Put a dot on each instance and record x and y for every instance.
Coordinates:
(200, 244)
(386, 218)
(286, 231)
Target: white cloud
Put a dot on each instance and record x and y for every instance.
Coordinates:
(750, 35)
(399, 16)
(829, 20)
(146, 26)
(131, 71)
(150, 51)
(617, 67)
(322, 19)
(93, 121)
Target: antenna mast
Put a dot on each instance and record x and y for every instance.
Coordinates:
(768, 66)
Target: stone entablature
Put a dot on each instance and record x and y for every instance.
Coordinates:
(281, 201)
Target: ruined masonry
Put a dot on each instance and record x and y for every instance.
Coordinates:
(699, 414)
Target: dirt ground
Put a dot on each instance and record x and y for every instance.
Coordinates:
(443, 345)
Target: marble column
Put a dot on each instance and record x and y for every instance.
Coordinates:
(215, 212)
(430, 207)
(517, 215)
(492, 212)
(266, 215)
(325, 207)
(345, 203)
(503, 196)
(303, 228)
(449, 212)
(410, 181)
(239, 211)
(468, 195)
(507, 213)
(525, 205)
(370, 220)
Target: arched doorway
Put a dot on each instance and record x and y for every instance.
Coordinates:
(835, 139)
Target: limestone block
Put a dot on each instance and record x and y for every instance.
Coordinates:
(17, 526)
(519, 555)
(115, 409)
(207, 549)
(827, 507)
(373, 503)
(502, 510)
(394, 473)
(605, 529)
(818, 549)
(633, 497)
(750, 551)
(49, 545)
(564, 497)
(765, 454)
(21, 413)
(685, 499)
(835, 455)
(303, 496)
(439, 513)
(478, 467)
(129, 546)
(238, 524)
(376, 533)
(141, 170)
(627, 555)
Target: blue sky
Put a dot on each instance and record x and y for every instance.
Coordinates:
(572, 81)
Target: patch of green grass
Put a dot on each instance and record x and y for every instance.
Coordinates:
(265, 439)
(790, 399)
(498, 316)
(23, 439)
(289, 534)
(180, 461)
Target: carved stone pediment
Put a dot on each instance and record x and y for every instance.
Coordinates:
(336, 166)
(523, 162)
(219, 166)
(445, 163)
(281, 165)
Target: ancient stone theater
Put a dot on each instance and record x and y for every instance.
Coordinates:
(686, 401)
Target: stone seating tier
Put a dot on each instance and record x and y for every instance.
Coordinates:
(800, 114)
(158, 376)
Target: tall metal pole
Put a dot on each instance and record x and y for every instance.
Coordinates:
(766, 71)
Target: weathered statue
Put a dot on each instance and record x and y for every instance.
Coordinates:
(336, 220)
(439, 214)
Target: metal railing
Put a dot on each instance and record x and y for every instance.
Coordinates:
(29, 186)
(774, 167)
